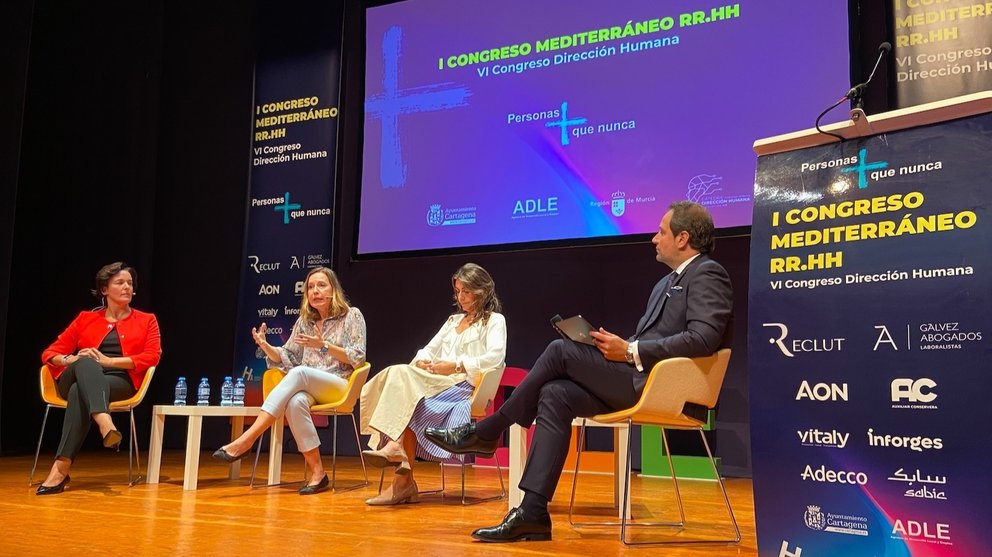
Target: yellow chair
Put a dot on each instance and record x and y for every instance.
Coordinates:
(481, 402)
(50, 394)
(672, 383)
(344, 405)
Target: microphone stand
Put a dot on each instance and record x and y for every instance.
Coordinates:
(855, 94)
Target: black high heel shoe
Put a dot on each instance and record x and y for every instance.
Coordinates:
(112, 440)
(53, 489)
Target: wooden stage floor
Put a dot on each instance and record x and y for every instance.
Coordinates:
(99, 515)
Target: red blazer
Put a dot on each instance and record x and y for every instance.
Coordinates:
(138, 333)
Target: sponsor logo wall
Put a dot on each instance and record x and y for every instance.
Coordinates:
(289, 221)
(869, 315)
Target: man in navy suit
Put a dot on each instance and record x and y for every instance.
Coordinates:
(688, 314)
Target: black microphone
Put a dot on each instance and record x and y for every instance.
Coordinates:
(855, 92)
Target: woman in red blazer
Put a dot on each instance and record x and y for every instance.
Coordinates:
(100, 357)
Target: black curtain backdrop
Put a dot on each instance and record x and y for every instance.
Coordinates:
(15, 41)
(135, 146)
(202, 174)
(86, 183)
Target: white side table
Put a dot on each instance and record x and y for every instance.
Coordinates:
(195, 415)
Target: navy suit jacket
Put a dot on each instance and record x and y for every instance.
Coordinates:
(690, 317)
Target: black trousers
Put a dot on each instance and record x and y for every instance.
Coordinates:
(568, 380)
(88, 390)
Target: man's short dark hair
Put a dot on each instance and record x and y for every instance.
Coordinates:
(697, 221)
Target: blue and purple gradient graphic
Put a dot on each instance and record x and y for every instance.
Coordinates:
(556, 141)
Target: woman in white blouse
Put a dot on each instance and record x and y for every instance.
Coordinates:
(436, 388)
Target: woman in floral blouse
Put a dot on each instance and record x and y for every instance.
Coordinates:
(326, 344)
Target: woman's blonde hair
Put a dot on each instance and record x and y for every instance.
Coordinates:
(339, 302)
(479, 282)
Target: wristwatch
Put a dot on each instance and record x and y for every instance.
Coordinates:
(325, 347)
(459, 368)
(629, 355)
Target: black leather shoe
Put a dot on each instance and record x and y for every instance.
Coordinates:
(53, 489)
(323, 485)
(221, 454)
(516, 527)
(461, 440)
(112, 439)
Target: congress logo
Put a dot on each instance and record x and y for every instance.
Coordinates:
(702, 186)
(396, 100)
(287, 208)
(565, 123)
(863, 168)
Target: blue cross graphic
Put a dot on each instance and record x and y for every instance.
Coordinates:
(862, 168)
(564, 123)
(286, 207)
(395, 101)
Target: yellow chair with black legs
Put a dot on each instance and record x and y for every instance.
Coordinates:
(672, 384)
(50, 395)
(482, 400)
(344, 405)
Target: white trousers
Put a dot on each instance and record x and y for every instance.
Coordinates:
(296, 393)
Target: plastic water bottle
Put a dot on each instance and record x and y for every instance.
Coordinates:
(203, 393)
(239, 392)
(227, 392)
(180, 392)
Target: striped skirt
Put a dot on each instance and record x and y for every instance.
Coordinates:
(449, 408)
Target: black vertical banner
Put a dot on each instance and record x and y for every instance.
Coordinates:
(290, 210)
(942, 49)
(869, 319)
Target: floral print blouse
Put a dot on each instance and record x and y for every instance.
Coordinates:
(347, 331)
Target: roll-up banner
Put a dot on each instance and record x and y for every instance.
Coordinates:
(291, 205)
(869, 319)
(941, 49)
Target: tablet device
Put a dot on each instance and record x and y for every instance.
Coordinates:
(575, 328)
